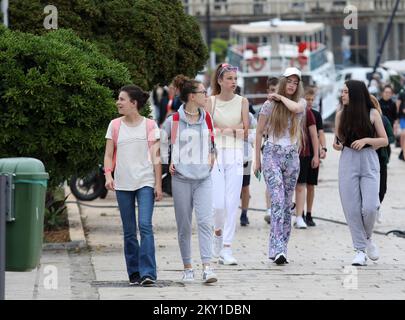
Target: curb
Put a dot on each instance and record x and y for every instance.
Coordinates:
(76, 231)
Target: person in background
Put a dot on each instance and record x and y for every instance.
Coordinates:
(312, 180)
(375, 85)
(175, 92)
(401, 117)
(383, 154)
(308, 162)
(388, 108)
(247, 164)
(160, 98)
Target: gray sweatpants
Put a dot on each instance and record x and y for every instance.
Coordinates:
(197, 194)
(359, 183)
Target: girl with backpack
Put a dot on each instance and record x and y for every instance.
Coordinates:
(280, 119)
(190, 134)
(359, 133)
(133, 154)
(230, 114)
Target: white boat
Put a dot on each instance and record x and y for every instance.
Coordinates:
(263, 49)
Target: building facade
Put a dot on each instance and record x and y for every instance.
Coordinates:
(360, 23)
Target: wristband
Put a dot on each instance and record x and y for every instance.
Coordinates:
(107, 170)
(324, 149)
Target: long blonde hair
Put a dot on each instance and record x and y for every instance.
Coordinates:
(280, 115)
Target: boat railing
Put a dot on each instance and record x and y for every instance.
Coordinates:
(254, 63)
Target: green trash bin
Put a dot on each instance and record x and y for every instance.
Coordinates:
(24, 227)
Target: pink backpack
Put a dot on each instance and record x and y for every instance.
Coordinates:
(116, 124)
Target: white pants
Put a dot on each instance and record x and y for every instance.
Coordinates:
(227, 176)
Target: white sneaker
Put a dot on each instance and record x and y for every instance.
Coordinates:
(188, 275)
(372, 250)
(226, 257)
(209, 275)
(300, 223)
(360, 259)
(217, 246)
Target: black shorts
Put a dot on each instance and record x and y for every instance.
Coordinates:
(307, 175)
(247, 166)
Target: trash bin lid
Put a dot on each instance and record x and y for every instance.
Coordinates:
(24, 168)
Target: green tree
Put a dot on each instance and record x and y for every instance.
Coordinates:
(57, 96)
(220, 47)
(154, 38)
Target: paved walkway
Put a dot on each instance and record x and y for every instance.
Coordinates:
(319, 257)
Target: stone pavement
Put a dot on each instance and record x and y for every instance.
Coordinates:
(319, 257)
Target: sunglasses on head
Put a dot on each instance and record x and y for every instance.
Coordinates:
(226, 67)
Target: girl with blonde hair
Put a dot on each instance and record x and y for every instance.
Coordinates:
(280, 117)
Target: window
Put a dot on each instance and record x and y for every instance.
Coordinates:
(258, 7)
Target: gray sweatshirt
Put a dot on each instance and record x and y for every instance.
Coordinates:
(190, 152)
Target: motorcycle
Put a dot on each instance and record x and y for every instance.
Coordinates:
(92, 185)
(89, 187)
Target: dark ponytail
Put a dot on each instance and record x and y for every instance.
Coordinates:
(185, 86)
(135, 93)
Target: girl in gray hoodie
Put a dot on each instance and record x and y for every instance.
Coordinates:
(192, 152)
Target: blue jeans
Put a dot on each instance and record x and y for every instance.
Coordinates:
(139, 258)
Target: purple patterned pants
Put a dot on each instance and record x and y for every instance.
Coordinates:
(281, 166)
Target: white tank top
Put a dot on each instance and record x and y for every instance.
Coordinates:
(227, 114)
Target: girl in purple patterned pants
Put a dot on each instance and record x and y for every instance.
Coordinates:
(281, 166)
(280, 118)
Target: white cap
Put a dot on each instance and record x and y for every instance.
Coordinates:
(292, 71)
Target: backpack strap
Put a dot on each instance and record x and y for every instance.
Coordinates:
(116, 124)
(150, 136)
(175, 127)
(150, 132)
(209, 124)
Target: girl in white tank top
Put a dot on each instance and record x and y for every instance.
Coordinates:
(230, 114)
